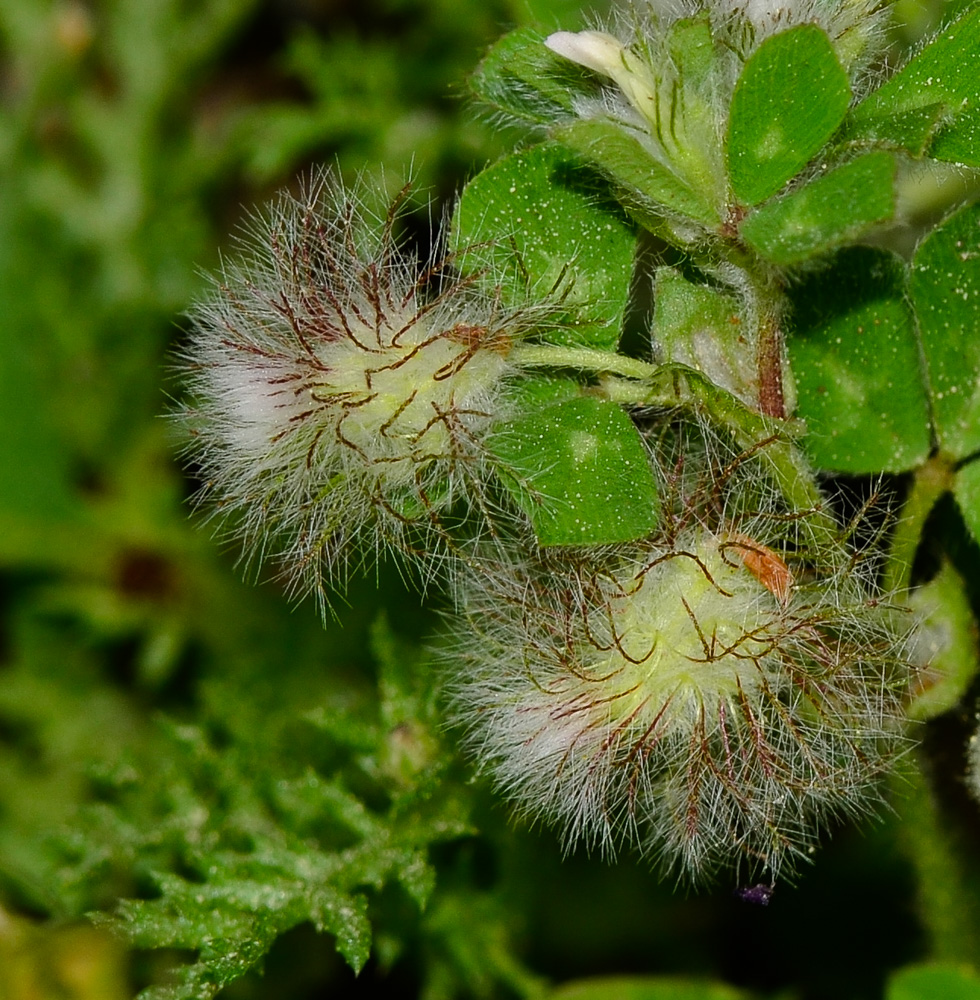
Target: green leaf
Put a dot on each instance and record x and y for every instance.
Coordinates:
(646, 988)
(912, 130)
(534, 222)
(855, 358)
(945, 289)
(825, 213)
(699, 326)
(966, 489)
(959, 142)
(790, 98)
(521, 76)
(629, 160)
(580, 472)
(945, 642)
(933, 982)
(945, 73)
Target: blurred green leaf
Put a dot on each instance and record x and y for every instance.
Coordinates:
(933, 982)
(823, 214)
(945, 289)
(856, 362)
(790, 98)
(652, 988)
(580, 472)
(945, 644)
(298, 820)
(541, 231)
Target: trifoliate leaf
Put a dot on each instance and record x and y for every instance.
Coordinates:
(539, 228)
(825, 213)
(789, 100)
(856, 362)
(580, 472)
(945, 289)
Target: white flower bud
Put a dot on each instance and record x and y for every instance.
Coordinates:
(607, 55)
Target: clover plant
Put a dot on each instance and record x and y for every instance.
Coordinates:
(669, 419)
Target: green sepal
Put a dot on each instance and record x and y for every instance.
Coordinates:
(579, 471)
(627, 158)
(826, 213)
(790, 99)
(522, 77)
(692, 48)
(533, 225)
(854, 354)
(946, 72)
(945, 289)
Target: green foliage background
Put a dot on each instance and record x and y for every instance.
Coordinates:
(241, 775)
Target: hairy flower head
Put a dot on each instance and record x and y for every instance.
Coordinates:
(340, 389)
(714, 694)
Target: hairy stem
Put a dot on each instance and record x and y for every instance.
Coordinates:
(581, 358)
(679, 386)
(770, 363)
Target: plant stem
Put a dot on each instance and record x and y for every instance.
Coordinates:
(949, 907)
(582, 358)
(678, 385)
(931, 482)
(770, 363)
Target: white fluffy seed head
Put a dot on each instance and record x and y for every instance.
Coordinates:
(712, 695)
(339, 388)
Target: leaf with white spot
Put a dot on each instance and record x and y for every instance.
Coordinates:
(856, 363)
(535, 225)
(580, 472)
(945, 289)
(789, 100)
(830, 211)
